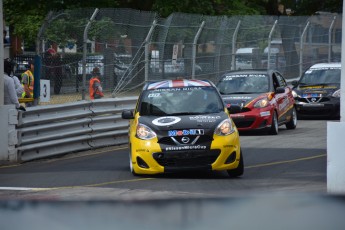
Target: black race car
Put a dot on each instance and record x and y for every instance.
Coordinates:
(317, 93)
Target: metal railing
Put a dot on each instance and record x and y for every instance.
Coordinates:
(46, 131)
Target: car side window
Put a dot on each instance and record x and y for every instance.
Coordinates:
(275, 81)
(281, 80)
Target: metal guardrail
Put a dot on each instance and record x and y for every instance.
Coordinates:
(59, 129)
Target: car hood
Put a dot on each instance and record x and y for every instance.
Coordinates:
(185, 123)
(240, 99)
(320, 90)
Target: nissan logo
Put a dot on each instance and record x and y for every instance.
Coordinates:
(313, 99)
(185, 140)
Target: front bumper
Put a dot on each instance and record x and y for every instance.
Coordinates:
(330, 109)
(253, 120)
(223, 154)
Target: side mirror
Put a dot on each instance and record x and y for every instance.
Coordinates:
(294, 83)
(234, 109)
(127, 114)
(280, 90)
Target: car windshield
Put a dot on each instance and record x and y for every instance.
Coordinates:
(244, 83)
(321, 76)
(180, 101)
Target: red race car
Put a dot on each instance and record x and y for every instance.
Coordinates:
(258, 100)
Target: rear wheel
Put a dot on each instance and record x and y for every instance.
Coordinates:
(274, 126)
(293, 121)
(239, 170)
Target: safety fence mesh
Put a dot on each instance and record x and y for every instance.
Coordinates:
(131, 47)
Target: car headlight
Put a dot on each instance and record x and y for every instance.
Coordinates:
(224, 128)
(336, 93)
(144, 132)
(294, 94)
(262, 103)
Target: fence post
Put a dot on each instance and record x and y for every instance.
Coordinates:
(85, 50)
(301, 49)
(269, 44)
(330, 39)
(195, 47)
(148, 37)
(234, 38)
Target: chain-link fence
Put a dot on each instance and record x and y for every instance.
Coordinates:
(131, 47)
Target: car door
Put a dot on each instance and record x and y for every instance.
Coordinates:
(283, 100)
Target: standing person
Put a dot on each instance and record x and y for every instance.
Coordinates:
(95, 87)
(28, 82)
(10, 96)
(10, 72)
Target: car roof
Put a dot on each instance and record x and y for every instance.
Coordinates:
(326, 65)
(178, 83)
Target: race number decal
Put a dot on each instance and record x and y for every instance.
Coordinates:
(163, 121)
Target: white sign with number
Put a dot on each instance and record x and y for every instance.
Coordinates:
(45, 90)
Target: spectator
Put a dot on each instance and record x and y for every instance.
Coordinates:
(95, 87)
(10, 96)
(9, 69)
(28, 82)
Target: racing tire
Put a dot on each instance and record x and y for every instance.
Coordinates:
(131, 168)
(237, 172)
(293, 121)
(274, 126)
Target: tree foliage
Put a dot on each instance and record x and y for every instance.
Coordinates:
(25, 17)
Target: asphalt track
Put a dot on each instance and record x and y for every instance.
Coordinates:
(283, 187)
(293, 161)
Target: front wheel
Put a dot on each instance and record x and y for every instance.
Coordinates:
(274, 126)
(131, 168)
(293, 121)
(239, 170)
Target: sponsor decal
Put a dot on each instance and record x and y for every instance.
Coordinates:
(185, 132)
(284, 104)
(191, 147)
(310, 95)
(177, 89)
(237, 115)
(204, 118)
(238, 98)
(163, 121)
(154, 95)
(265, 114)
(313, 105)
(142, 150)
(228, 146)
(319, 87)
(230, 77)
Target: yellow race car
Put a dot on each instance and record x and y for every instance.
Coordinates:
(182, 125)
